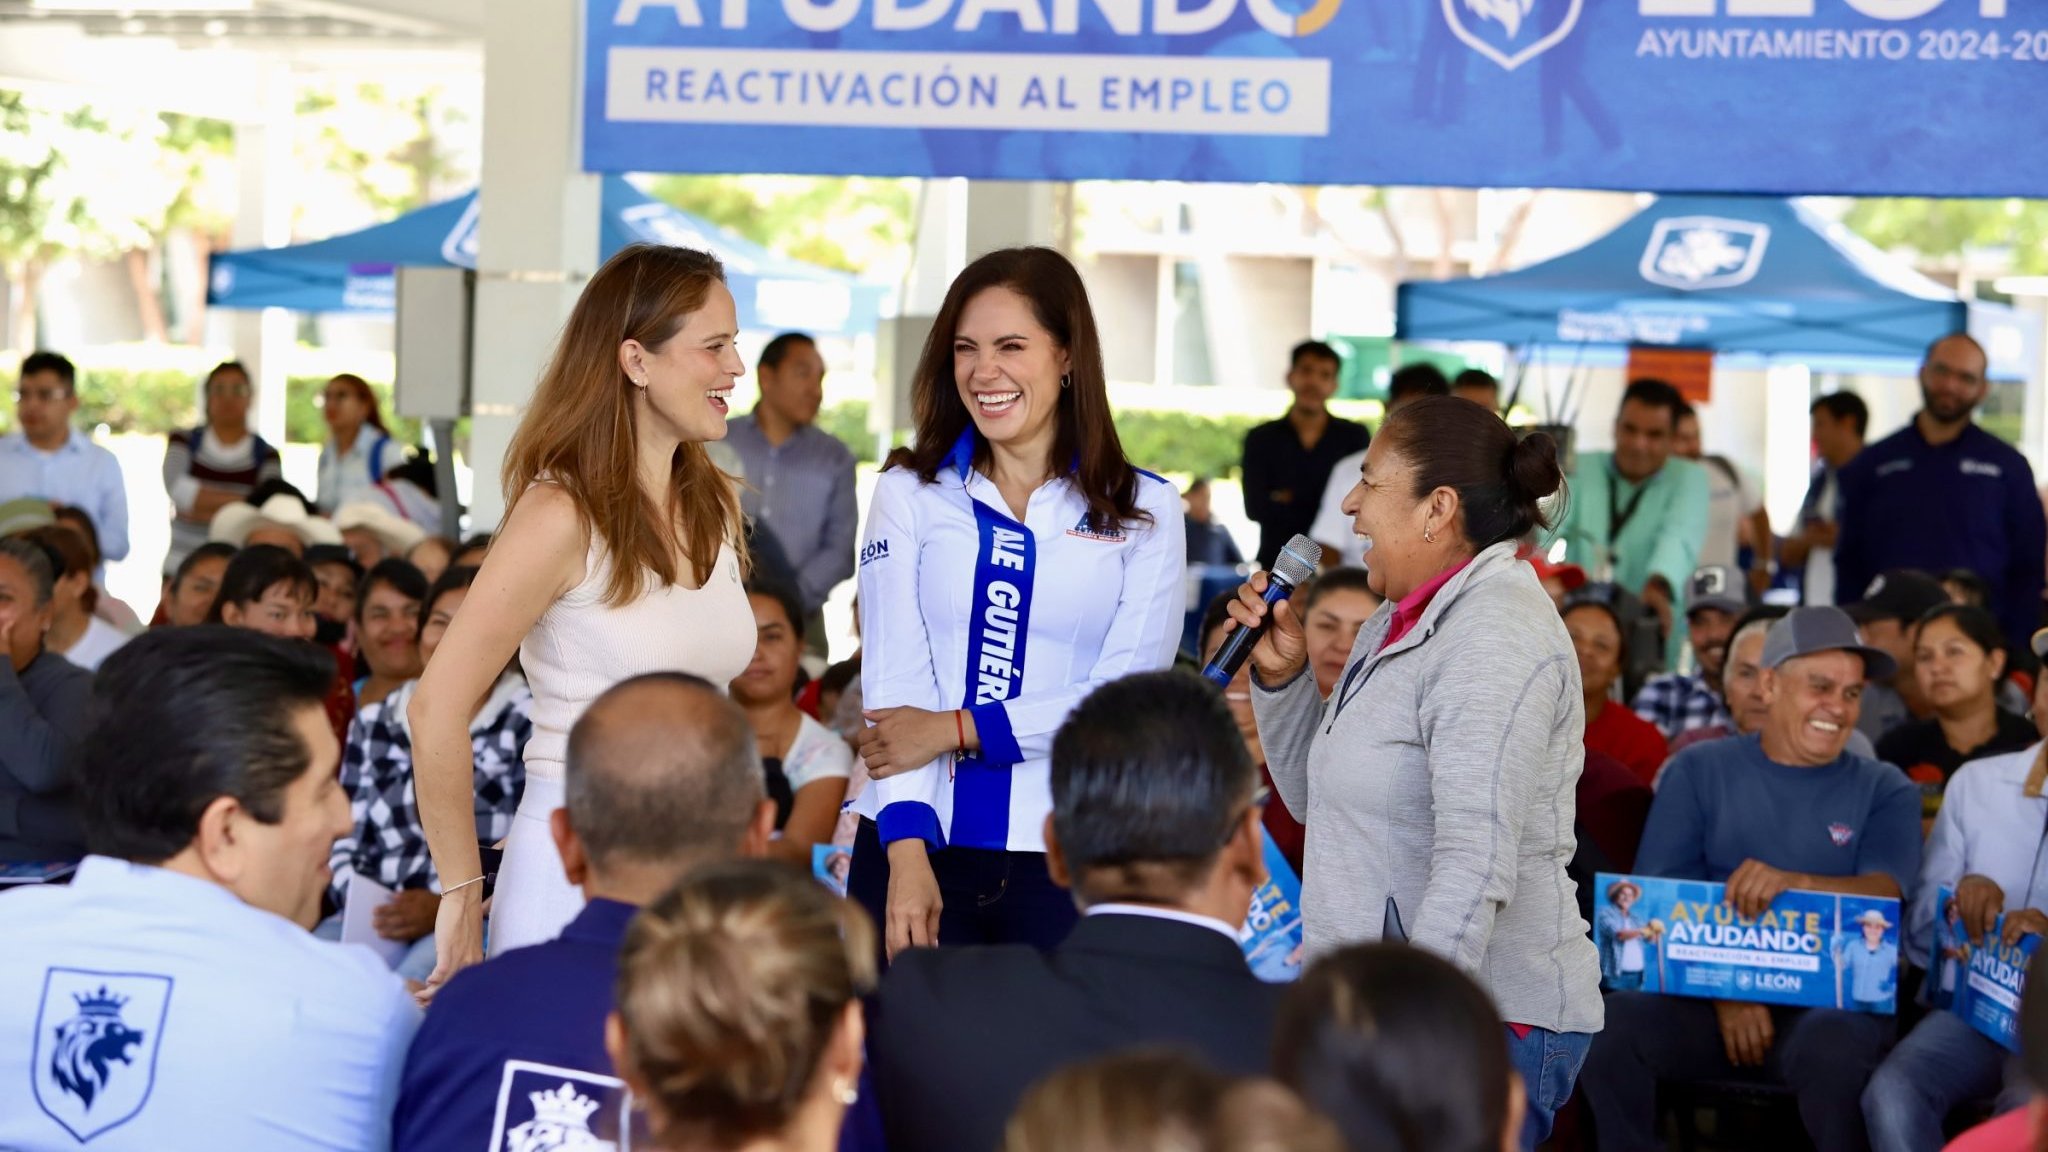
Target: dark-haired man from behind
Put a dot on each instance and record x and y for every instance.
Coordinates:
(1637, 516)
(1944, 493)
(799, 477)
(172, 993)
(1287, 462)
(661, 776)
(1155, 828)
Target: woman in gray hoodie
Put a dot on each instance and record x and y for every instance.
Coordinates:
(1437, 779)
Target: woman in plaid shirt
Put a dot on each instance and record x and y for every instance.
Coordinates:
(389, 844)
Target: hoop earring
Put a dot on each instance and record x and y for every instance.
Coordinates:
(1428, 537)
(1066, 381)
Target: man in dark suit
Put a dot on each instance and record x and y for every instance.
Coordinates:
(1155, 828)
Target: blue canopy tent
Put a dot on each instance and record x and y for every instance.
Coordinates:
(1733, 274)
(355, 272)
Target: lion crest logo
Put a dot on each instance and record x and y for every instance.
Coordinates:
(1511, 32)
(97, 1038)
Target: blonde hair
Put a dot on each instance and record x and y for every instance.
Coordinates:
(1158, 1100)
(731, 987)
(578, 430)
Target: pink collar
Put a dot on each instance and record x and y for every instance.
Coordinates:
(1408, 613)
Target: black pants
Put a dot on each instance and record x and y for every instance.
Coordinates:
(991, 896)
(1825, 1056)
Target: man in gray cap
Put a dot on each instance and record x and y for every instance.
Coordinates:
(1783, 809)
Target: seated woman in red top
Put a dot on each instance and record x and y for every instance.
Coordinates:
(1611, 728)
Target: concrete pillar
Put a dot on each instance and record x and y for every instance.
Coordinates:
(1009, 213)
(263, 219)
(537, 226)
(1788, 443)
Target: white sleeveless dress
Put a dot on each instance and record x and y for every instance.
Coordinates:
(579, 649)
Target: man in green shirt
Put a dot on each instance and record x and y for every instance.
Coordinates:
(1637, 516)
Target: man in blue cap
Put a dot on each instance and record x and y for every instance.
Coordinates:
(1786, 808)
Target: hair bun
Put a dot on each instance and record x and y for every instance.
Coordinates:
(1533, 470)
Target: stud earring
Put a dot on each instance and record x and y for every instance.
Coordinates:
(845, 1092)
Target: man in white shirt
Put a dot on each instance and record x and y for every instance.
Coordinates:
(48, 459)
(171, 996)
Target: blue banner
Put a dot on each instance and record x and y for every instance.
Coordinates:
(1982, 981)
(1931, 97)
(1271, 934)
(1808, 949)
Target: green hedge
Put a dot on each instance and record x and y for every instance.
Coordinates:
(158, 400)
(1157, 440)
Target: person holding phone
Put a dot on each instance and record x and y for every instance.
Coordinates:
(1014, 561)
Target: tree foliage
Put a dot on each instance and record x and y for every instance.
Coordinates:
(856, 224)
(1947, 228)
(393, 148)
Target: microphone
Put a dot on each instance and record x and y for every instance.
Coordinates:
(1298, 561)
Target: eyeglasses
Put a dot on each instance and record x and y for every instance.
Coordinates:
(45, 395)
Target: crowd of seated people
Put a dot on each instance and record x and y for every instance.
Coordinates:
(231, 776)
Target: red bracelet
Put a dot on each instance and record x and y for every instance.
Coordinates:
(960, 728)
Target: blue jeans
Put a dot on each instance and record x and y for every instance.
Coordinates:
(1549, 1064)
(1942, 1063)
(1625, 981)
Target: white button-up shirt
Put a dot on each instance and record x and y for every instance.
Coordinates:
(79, 473)
(146, 1009)
(1988, 826)
(945, 569)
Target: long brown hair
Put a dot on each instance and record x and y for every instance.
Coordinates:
(1087, 429)
(578, 431)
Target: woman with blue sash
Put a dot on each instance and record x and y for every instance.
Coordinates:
(1014, 560)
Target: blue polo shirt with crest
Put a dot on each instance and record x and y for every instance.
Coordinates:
(146, 1009)
(513, 1049)
(512, 1053)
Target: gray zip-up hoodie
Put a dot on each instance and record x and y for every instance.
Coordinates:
(1442, 773)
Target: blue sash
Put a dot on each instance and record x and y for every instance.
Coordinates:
(1005, 562)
